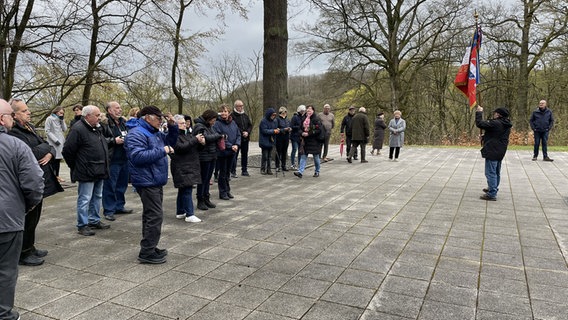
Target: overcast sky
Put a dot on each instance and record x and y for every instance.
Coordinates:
(244, 37)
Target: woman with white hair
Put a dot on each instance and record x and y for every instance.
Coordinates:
(396, 139)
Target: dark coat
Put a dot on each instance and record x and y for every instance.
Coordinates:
(40, 149)
(86, 153)
(346, 124)
(208, 152)
(284, 136)
(379, 133)
(360, 127)
(541, 120)
(310, 144)
(147, 159)
(296, 125)
(185, 167)
(111, 130)
(266, 129)
(232, 134)
(243, 122)
(496, 137)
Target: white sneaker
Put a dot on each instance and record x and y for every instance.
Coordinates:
(192, 219)
(180, 216)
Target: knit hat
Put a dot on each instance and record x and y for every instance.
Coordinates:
(503, 112)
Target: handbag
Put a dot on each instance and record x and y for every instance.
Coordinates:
(221, 144)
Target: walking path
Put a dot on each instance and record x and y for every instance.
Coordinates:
(382, 240)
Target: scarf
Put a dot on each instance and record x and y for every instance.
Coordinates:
(307, 124)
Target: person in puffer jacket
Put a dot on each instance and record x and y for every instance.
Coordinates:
(267, 132)
(147, 149)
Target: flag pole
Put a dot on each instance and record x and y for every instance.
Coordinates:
(477, 98)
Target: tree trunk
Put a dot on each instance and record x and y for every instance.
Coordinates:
(90, 74)
(275, 68)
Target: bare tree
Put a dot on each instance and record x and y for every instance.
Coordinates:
(365, 36)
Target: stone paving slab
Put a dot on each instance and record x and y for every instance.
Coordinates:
(381, 240)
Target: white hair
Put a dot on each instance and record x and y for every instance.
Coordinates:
(301, 108)
(179, 118)
(87, 110)
(362, 109)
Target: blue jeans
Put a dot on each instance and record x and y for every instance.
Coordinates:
(493, 175)
(295, 145)
(89, 196)
(304, 159)
(538, 137)
(114, 188)
(184, 202)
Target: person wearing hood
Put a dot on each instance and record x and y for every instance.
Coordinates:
(267, 130)
(282, 139)
(495, 142)
(207, 156)
(225, 158)
(245, 126)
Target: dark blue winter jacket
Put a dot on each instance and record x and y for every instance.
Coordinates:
(266, 130)
(232, 134)
(542, 120)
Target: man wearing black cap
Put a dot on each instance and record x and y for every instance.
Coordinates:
(147, 149)
(495, 142)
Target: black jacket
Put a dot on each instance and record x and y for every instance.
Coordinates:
(496, 137)
(86, 153)
(541, 120)
(310, 143)
(208, 152)
(346, 124)
(243, 122)
(111, 130)
(185, 167)
(40, 149)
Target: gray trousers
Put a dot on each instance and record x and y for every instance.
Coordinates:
(10, 247)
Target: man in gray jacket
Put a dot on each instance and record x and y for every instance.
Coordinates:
(22, 189)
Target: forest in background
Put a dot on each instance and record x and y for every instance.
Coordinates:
(383, 55)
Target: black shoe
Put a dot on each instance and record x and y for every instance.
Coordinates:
(86, 231)
(110, 217)
(161, 252)
(230, 195)
(534, 158)
(40, 253)
(31, 260)
(99, 225)
(349, 160)
(485, 190)
(284, 169)
(245, 174)
(317, 174)
(124, 211)
(269, 172)
(208, 202)
(201, 205)
(224, 197)
(547, 159)
(487, 198)
(263, 172)
(234, 175)
(364, 161)
(153, 258)
(355, 158)
(297, 174)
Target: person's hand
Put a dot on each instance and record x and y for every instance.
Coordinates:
(235, 148)
(168, 149)
(276, 131)
(119, 140)
(479, 109)
(304, 134)
(45, 160)
(200, 138)
(170, 118)
(245, 134)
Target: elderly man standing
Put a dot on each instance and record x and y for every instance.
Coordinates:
(147, 149)
(44, 154)
(541, 122)
(346, 129)
(328, 121)
(22, 189)
(245, 126)
(115, 186)
(86, 154)
(359, 134)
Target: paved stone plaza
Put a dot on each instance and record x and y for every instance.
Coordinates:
(382, 240)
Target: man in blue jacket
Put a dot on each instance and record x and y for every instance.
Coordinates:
(541, 122)
(147, 149)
